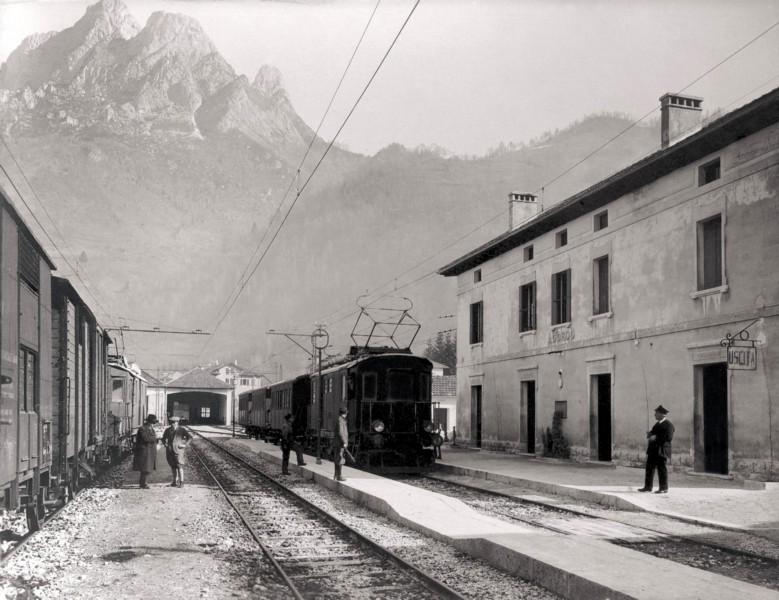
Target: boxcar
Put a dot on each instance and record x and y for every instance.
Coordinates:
(25, 359)
(79, 378)
(128, 407)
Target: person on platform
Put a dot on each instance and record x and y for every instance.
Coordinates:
(176, 439)
(340, 442)
(145, 458)
(288, 443)
(658, 451)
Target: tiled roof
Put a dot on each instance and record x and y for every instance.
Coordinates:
(199, 379)
(444, 385)
(151, 379)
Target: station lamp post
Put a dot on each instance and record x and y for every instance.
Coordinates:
(319, 339)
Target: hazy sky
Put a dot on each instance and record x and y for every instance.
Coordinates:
(467, 75)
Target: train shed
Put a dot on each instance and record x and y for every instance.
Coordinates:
(198, 397)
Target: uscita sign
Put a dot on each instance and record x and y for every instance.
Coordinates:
(742, 358)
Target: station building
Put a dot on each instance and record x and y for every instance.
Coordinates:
(658, 285)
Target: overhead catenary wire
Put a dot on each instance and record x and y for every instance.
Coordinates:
(296, 178)
(313, 172)
(46, 233)
(556, 178)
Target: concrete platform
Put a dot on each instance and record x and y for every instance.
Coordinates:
(575, 567)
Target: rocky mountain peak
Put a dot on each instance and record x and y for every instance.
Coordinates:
(168, 33)
(268, 81)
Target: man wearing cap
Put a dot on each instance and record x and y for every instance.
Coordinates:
(145, 459)
(176, 439)
(340, 442)
(288, 443)
(658, 451)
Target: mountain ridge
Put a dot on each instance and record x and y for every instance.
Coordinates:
(168, 174)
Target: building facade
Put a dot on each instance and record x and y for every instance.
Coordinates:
(658, 285)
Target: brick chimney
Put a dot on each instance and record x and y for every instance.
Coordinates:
(521, 208)
(680, 116)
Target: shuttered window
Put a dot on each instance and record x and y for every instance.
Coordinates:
(527, 307)
(561, 297)
(710, 253)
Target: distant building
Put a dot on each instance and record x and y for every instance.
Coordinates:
(658, 285)
(242, 379)
(444, 397)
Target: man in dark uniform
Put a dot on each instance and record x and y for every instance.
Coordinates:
(145, 459)
(658, 451)
(288, 443)
(340, 442)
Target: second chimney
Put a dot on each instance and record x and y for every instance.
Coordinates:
(680, 116)
(521, 208)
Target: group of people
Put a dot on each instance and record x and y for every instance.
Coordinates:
(175, 439)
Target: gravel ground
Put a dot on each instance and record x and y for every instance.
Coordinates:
(113, 542)
(468, 576)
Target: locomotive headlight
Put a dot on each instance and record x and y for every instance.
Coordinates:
(377, 426)
(437, 440)
(428, 426)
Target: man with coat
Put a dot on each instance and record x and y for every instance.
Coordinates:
(340, 441)
(658, 451)
(145, 459)
(176, 439)
(288, 443)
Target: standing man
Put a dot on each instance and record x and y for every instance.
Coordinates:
(288, 443)
(176, 439)
(340, 442)
(658, 451)
(145, 459)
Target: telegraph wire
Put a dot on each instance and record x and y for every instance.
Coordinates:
(296, 178)
(569, 169)
(46, 233)
(431, 273)
(313, 172)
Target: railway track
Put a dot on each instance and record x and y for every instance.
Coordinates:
(315, 554)
(693, 551)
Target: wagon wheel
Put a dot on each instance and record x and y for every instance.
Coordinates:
(33, 522)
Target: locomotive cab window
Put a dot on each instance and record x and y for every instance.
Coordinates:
(369, 386)
(400, 385)
(424, 393)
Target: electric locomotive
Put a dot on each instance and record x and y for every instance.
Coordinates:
(387, 393)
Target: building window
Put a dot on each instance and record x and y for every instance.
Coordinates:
(561, 297)
(476, 322)
(527, 253)
(561, 238)
(477, 276)
(561, 406)
(600, 221)
(205, 412)
(527, 307)
(709, 172)
(710, 253)
(600, 285)
(28, 375)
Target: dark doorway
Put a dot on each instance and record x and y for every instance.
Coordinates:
(530, 423)
(715, 418)
(476, 414)
(603, 390)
